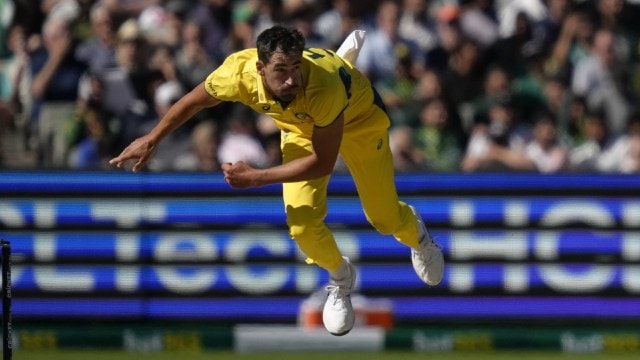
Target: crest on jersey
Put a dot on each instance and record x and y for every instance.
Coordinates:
(303, 116)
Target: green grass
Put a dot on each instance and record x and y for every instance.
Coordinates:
(492, 355)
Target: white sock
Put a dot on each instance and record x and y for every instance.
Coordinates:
(341, 273)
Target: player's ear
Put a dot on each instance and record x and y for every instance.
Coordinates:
(260, 67)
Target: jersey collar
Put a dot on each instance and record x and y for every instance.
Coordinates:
(264, 97)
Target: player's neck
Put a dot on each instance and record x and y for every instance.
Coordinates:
(284, 104)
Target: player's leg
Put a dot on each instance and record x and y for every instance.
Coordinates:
(368, 156)
(306, 208)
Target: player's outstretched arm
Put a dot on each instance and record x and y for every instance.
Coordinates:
(143, 148)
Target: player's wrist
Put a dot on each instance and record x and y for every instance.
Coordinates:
(261, 178)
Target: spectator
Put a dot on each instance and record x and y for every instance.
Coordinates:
(478, 22)
(128, 9)
(558, 101)
(498, 145)
(407, 156)
(623, 156)
(126, 86)
(511, 12)
(449, 36)
(424, 88)
(397, 89)
(214, 17)
(99, 51)
(99, 139)
(203, 154)
(545, 150)
(596, 140)
(158, 26)
(273, 149)
(528, 87)
(162, 60)
(55, 78)
(630, 163)
(6, 18)
(599, 79)
(302, 18)
(429, 86)
(335, 23)
(179, 142)
(572, 44)
(67, 10)
(496, 85)
(513, 51)
(13, 81)
(621, 18)
(269, 13)
(463, 76)
(193, 62)
(242, 32)
(417, 26)
(617, 16)
(378, 58)
(573, 129)
(440, 145)
(241, 142)
(551, 25)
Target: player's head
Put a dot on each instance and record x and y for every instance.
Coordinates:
(279, 38)
(280, 60)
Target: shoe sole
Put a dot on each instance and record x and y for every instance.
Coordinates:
(340, 334)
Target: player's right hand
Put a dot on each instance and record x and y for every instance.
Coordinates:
(141, 150)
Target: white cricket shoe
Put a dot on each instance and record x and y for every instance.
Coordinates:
(428, 261)
(338, 315)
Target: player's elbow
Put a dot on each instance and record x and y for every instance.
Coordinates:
(324, 168)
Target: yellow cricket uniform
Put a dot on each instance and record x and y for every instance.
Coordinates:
(330, 86)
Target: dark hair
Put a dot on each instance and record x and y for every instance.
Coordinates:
(281, 38)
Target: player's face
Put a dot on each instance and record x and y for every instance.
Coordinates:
(282, 75)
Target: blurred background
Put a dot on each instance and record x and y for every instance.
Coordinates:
(515, 131)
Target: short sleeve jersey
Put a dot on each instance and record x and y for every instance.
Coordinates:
(330, 85)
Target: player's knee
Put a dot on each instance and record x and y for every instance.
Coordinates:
(303, 223)
(383, 224)
(305, 231)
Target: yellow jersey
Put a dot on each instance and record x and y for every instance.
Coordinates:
(330, 85)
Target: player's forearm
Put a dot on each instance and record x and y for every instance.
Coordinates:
(178, 114)
(305, 168)
(170, 122)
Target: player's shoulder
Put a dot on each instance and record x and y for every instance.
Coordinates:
(322, 62)
(243, 55)
(239, 62)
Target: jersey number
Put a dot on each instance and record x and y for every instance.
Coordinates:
(346, 80)
(315, 55)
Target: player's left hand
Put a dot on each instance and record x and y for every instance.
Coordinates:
(239, 175)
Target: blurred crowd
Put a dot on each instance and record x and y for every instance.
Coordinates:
(541, 86)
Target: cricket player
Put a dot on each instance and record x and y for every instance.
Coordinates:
(324, 107)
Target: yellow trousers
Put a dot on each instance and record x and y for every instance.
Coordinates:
(365, 150)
